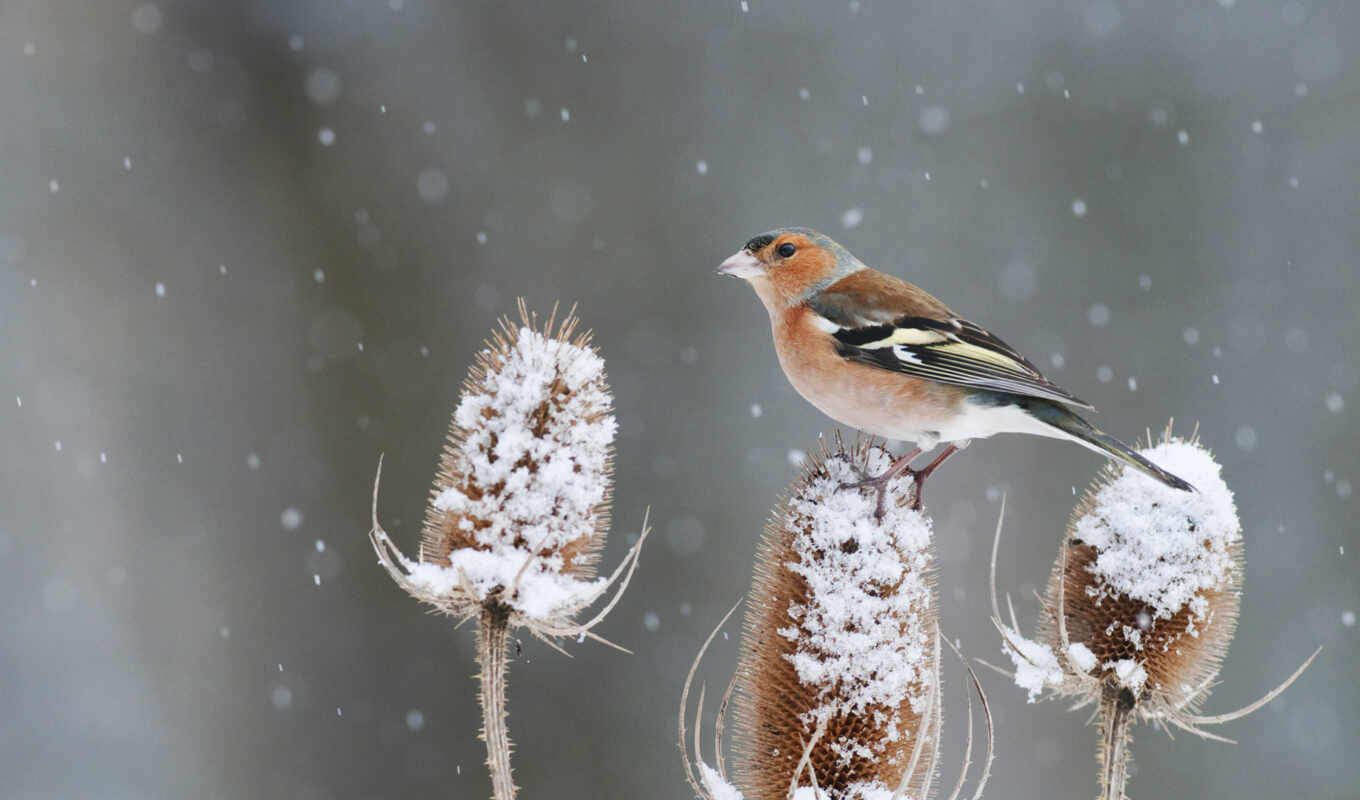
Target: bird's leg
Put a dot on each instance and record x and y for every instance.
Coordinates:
(880, 482)
(919, 476)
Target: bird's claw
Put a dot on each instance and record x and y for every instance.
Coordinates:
(879, 484)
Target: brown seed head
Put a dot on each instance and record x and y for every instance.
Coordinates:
(1149, 581)
(529, 458)
(840, 638)
(520, 505)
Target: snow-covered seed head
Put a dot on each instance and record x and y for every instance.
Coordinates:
(1149, 581)
(839, 669)
(520, 505)
(528, 462)
(524, 480)
(1142, 604)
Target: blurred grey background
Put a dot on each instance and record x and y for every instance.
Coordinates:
(246, 247)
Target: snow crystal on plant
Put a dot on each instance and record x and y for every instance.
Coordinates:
(863, 638)
(533, 469)
(1161, 545)
(720, 789)
(527, 583)
(1035, 664)
(872, 790)
(1081, 657)
(1129, 672)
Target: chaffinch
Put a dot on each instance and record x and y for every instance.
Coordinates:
(879, 354)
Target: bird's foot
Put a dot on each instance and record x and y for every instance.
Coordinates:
(901, 466)
(879, 483)
(919, 476)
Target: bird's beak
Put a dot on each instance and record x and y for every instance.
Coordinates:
(741, 265)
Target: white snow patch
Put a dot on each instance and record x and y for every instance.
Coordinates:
(864, 637)
(538, 591)
(1129, 672)
(1161, 545)
(856, 791)
(1035, 664)
(721, 789)
(1081, 656)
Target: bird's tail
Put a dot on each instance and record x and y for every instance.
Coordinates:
(1092, 437)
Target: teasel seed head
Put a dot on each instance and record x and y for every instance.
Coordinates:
(520, 505)
(1145, 591)
(1150, 581)
(840, 666)
(1142, 603)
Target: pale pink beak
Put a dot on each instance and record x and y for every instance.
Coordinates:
(742, 265)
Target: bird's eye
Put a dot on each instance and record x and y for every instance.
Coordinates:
(786, 250)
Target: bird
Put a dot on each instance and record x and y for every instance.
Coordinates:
(884, 356)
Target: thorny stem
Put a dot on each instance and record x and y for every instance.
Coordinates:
(492, 640)
(1116, 712)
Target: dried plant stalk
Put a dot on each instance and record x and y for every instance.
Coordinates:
(493, 634)
(520, 506)
(1142, 603)
(1116, 712)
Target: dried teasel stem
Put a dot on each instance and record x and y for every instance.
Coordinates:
(493, 634)
(1116, 712)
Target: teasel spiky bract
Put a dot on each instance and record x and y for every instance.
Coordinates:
(837, 691)
(1141, 605)
(519, 509)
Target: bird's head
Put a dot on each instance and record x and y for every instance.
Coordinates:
(787, 265)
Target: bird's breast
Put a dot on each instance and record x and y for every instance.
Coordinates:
(874, 400)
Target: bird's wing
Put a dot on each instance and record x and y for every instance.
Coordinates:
(886, 323)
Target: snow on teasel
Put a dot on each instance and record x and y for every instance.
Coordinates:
(1153, 578)
(838, 687)
(520, 504)
(1164, 548)
(840, 662)
(1142, 602)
